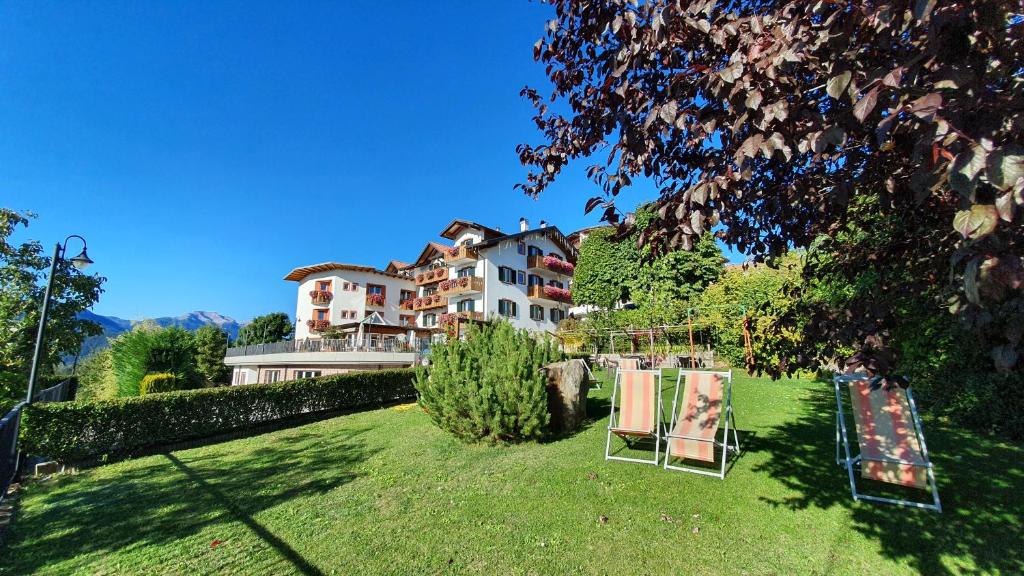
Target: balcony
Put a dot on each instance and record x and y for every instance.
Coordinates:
(406, 304)
(549, 264)
(318, 325)
(428, 302)
(375, 301)
(457, 255)
(431, 276)
(451, 317)
(320, 297)
(462, 285)
(549, 293)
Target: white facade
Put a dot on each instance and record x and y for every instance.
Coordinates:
(511, 252)
(348, 302)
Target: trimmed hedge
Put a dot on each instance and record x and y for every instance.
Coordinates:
(84, 431)
(157, 383)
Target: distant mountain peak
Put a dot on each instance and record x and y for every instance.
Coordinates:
(192, 321)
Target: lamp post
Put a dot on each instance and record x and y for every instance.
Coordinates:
(80, 262)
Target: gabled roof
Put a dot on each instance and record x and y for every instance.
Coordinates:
(427, 255)
(396, 265)
(301, 272)
(550, 232)
(453, 230)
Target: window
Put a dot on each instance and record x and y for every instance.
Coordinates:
(406, 320)
(406, 295)
(534, 251)
(555, 283)
(468, 271)
(429, 320)
(346, 286)
(323, 285)
(536, 312)
(321, 314)
(557, 315)
(535, 280)
(466, 305)
(429, 291)
(506, 275)
(521, 276)
(508, 308)
(271, 376)
(376, 289)
(300, 374)
(355, 286)
(521, 247)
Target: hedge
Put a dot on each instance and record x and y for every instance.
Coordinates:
(86, 431)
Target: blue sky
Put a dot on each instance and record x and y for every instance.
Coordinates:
(205, 149)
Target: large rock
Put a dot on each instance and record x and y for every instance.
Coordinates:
(567, 395)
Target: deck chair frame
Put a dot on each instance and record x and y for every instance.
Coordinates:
(850, 461)
(658, 419)
(728, 416)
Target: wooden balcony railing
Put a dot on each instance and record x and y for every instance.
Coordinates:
(375, 300)
(428, 302)
(460, 254)
(431, 276)
(462, 285)
(320, 296)
(406, 304)
(553, 293)
(549, 264)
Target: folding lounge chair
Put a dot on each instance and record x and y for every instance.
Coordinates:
(629, 364)
(890, 438)
(636, 411)
(696, 417)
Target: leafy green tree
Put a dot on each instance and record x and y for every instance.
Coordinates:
(604, 269)
(272, 327)
(211, 346)
(96, 377)
(678, 276)
(766, 121)
(489, 386)
(23, 271)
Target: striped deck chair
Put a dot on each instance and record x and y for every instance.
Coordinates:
(636, 411)
(629, 364)
(693, 432)
(890, 438)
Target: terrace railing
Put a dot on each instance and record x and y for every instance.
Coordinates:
(369, 343)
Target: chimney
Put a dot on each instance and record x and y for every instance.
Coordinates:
(543, 224)
(524, 225)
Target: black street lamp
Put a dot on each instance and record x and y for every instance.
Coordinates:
(80, 262)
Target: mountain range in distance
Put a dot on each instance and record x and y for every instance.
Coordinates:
(112, 326)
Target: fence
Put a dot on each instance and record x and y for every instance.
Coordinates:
(369, 343)
(9, 426)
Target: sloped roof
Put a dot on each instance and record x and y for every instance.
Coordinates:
(429, 249)
(395, 265)
(550, 232)
(301, 272)
(452, 230)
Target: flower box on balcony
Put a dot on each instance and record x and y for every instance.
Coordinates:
(318, 325)
(427, 302)
(431, 276)
(459, 254)
(461, 285)
(406, 304)
(320, 296)
(375, 300)
(538, 292)
(558, 265)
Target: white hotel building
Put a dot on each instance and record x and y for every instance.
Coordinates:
(351, 317)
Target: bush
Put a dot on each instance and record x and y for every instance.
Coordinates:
(159, 382)
(490, 385)
(83, 431)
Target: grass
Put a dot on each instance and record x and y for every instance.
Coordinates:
(386, 492)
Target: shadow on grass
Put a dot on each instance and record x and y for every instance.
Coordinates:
(981, 483)
(174, 497)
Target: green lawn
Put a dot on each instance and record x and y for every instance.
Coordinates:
(385, 492)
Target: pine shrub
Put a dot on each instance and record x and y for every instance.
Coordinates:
(159, 382)
(489, 386)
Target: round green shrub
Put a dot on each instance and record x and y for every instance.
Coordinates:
(159, 382)
(489, 386)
